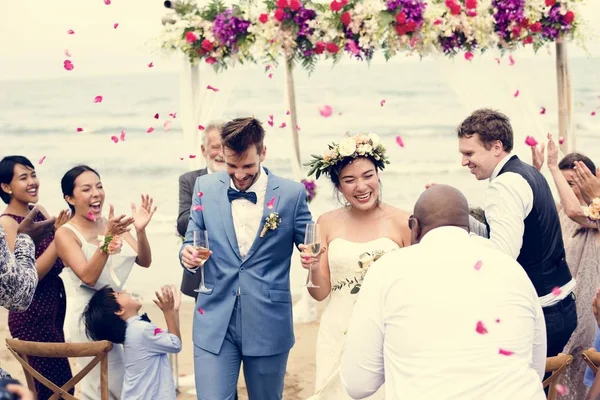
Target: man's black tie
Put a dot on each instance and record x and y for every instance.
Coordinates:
(233, 194)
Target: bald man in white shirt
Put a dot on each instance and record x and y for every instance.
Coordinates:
(447, 318)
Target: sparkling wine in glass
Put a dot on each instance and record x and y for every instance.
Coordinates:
(203, 250)
(312, 240)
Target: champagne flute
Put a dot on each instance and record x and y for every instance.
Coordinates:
(312, 240)
(201, 246)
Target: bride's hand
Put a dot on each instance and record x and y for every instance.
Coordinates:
(308, 259)
(143, 216)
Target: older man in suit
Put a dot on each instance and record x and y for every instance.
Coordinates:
(212, 150)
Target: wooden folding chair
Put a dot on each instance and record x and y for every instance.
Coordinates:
(557, 365)
(592, 359)
(99, 350)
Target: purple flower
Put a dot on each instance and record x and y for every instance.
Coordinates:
(228, 28)
(508, 12)
(413, 9)
(311, 188)
(301, 18)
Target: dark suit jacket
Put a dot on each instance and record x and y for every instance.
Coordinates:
(186, 189)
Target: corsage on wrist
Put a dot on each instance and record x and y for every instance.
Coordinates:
(592, 211)
(110, 244)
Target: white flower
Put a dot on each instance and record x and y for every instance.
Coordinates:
(374, 139)
(364, 149)
(347, 147)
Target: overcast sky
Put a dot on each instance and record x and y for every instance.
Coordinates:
(33, 37)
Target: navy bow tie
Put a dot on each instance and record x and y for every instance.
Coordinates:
(144, 317)
(233, 194)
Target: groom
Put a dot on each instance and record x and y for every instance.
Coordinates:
(248, 315)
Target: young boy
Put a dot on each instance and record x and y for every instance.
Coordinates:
(114, 316)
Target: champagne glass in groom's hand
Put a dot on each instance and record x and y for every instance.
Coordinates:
(202, 253)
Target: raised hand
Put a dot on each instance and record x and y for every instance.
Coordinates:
(552, 153)
(176, 297)
(118, 225)
(143, 215)
(537, 156)
(588, 184)
(165, 300)
(37, 231)
(62, 219)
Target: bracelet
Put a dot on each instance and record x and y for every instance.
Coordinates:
(111, 244)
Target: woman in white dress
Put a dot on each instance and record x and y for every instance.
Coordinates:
(89, 265)
(363, 224)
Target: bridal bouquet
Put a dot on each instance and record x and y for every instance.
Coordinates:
(364, 263)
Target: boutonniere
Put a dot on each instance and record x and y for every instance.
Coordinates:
(271, 223)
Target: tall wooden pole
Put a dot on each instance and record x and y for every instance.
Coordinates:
(291, 95)
(563, 80)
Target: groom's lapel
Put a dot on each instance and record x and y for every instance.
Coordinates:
(271, 195)
(227, 217)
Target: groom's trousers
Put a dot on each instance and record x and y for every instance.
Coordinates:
(217, 374)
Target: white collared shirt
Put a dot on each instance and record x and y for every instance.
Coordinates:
(414, 325)
(247, 216)
(508, 202)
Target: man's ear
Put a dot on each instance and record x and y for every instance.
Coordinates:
(203, 149)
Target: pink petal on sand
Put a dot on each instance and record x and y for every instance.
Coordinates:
(382, 103)
(98, 99)
(271, 203)
(123, 135)
(478, 265)
(468, 56)
(480, 328)
(115, 25)
(91, 216)
(67, 53)
(561, 389)
(192, 156)
(198, 208)
(41, 160)
(399, 141)
(71, 32)
(167, 125)
(157, 331)
(79, 129)
(542, 110)
(505, 352)
(114, 139)
(556, 291)
(561, 140)
(511, 60)
(151, 64)
(200, 310)
(68, 65)
(214, 89)
(156, 116)
(150, 130)
(283, 125)
(200, 127)
(516, 94)
(530, 141)
(200, 194)
(326, 111)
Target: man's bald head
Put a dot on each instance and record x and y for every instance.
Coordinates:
(438, 206)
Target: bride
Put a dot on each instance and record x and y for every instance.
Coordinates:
(364, 224)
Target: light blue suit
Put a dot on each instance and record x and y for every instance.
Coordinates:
(255, 327)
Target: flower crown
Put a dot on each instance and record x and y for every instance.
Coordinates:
(359, 145)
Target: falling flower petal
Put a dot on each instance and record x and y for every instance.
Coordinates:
(156, 116)
(98, 99)
(180, 158)
(41, 160)
(200, 127)
(198, 207)
(192, 156)
(150, 130)
(556, 291)
(530, 141)
(115, 25)
(283, 125)
(561, 140)
(200, 310)
(326, 111)
(516, 94)
(478, 265)
(497, 60)
(114, 139)
(68, 65)
(270, 123)
(468, 56)
(297, 128)
(151, 64)
(107, 2)
(157, 331)
(200, 194)
(287, 112)
(399, 141)
(67, 53)
(593, 113)
(167, 125)
(511, 60)
(79, 129)
(270, 76)
(214, 89)
(173, 115)
(271, 117)
(505, 352)
(271, 203)
(91, 216)
(480, 328)
(561, 389)
(498, 320)
(123, 135)
(542, 110)
(382, 103)
(71, 32)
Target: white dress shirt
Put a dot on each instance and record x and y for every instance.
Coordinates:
(508, 202)
(414, 325)
(247, 216)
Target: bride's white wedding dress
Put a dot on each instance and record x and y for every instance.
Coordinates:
(343, 263)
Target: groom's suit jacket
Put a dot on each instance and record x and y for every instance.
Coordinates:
(262, 277)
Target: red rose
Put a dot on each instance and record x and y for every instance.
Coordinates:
(472, 13)
(569, 17)
(550, 3)
(528, 40)
(450, 3)
(211, 60)
(411, 26)
(335, 6)
(525, 23)
(455, 9)
(516, 31)
(401, 30)
(346, 18)
(535, 28)
(471, 4)
(279, 14)
(295, 5)
(332, 48)
(207, 45)
(319, 48)
(263, 18)
(191, 37)
(343, 2)
(282, 3)
(401, 18)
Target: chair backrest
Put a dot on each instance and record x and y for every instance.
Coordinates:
(592, 359)
(99, 350)
(557, 365)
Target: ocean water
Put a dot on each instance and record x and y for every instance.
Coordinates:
(424, 102)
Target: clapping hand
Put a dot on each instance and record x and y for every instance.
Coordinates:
(552, 153)
(37, 231)
(143, 215)
(588, 184)
(537, 155)
(118, 225)
(62, 219)
(168, 299)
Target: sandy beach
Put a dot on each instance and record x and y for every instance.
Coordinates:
(300, 375)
